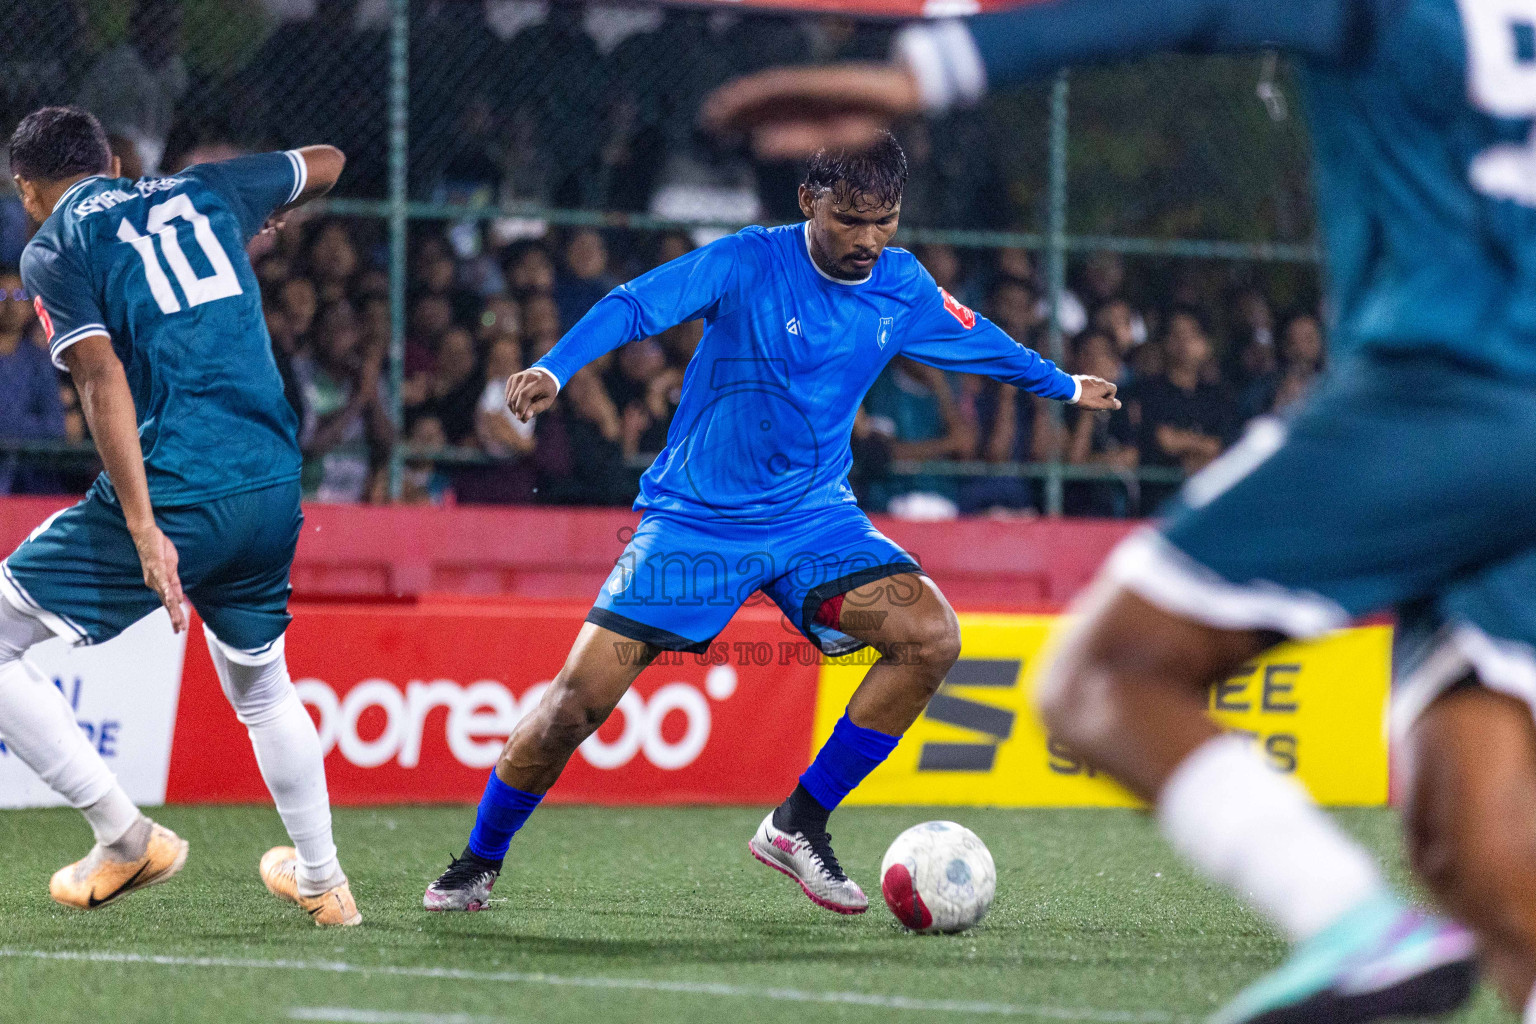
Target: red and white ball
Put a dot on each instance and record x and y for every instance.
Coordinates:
(938, 877)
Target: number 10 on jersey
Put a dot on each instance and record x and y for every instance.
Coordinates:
(221, 284)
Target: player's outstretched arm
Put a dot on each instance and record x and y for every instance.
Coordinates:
(946, 334)
(687, 288)
(323, 166)
(935, 65)
(108, 407)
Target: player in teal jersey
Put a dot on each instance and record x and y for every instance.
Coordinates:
(149, 302)
(1406, 482)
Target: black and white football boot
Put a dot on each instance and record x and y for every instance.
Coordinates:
(466, 885)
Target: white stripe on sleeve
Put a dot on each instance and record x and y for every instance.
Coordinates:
(58, 345)
(300, 174)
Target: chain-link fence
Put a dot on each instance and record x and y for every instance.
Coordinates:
(509, 160)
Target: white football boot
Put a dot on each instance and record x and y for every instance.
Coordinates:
(810, 861)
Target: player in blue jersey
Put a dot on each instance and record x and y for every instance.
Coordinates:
(751, 493)
(1405, 482)
(148, 300)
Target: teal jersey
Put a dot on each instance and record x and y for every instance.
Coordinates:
(1425, 175)
(159, 266)
(1421, 115)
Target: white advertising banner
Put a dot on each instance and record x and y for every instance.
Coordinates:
(124, 696)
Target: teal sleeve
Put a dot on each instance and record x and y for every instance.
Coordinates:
(255, 186)
(956, 61)
(1039, 39)
(62, 295)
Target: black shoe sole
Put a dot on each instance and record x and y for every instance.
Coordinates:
(1432, 994)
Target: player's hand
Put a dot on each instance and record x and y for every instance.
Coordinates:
(793, 112)
(530, 392)
(274, 224)
(159, 558)
(1098, 394)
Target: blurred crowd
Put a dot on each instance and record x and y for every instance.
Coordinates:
(592, 106)
(1194, 365)
(564, 104)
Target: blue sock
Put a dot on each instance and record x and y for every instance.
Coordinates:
(849, 754)
(502, 812)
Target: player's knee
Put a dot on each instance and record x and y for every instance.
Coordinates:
(1073, 693)
(931, 642)
(569, 717)
(19, 632)
(258, 693)
(1083, 690)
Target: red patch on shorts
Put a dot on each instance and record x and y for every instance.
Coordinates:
(958, 310)
(830, 612)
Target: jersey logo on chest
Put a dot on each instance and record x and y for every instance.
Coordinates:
(883, 335)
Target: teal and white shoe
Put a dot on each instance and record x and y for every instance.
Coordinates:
(1382, 960)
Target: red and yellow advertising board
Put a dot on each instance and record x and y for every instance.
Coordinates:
(414, 701)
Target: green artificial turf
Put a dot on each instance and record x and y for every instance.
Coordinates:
(603, 912)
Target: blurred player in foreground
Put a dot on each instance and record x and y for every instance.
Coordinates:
(751, 493)
(149, 302)
(1406, 482)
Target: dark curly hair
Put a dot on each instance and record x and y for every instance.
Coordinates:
(872, 178)
(55, 143)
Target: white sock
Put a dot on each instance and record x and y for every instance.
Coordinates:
(288, 753)
(1259, 833)
(1529, 1017)
(39, 727)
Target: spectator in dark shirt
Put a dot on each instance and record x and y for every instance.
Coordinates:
(529, 270)
(1098, 439)
(586, 276)
(30, 409)
(1010, 426)
(1185, 419)
(541, 325)
(456, 384)
(645, 390)
(1301, 360)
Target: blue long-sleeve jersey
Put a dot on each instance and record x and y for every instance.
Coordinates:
(769, 398)
(1421, 116)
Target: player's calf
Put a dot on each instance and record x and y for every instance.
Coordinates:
(919, 642)
(576, 704)
(1471, 798)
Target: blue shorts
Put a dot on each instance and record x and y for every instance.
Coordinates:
(1407, 482)
(681, 579)
(79, 572)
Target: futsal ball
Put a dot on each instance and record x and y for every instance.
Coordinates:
(938, 877)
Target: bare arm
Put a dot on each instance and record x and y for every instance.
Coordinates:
(322, 166)
(109, 412)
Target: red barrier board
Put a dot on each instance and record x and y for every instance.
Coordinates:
(350, 552)
(413, 703)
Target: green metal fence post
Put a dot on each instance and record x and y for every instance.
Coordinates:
(399, 108)
(1056, 269)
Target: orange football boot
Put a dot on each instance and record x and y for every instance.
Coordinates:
(100, 878)
(332, 908)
